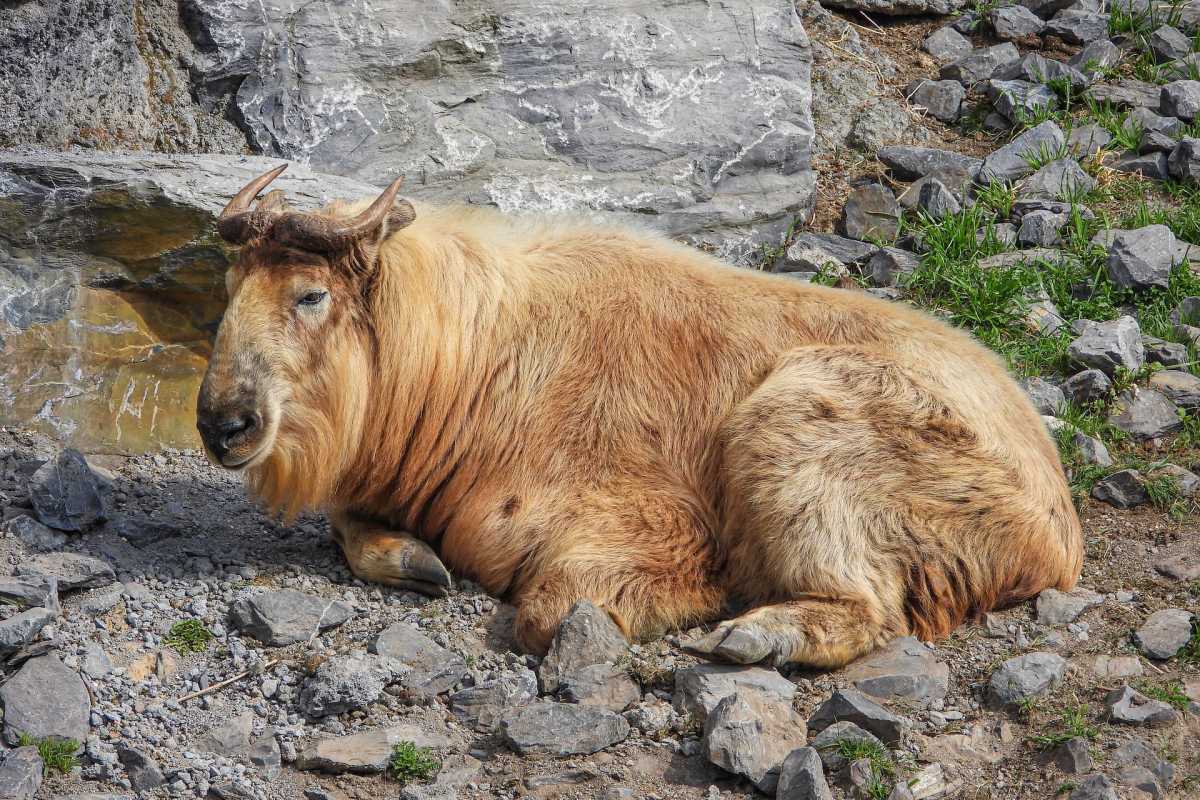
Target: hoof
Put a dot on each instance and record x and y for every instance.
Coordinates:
(735, 642)
(404, 563)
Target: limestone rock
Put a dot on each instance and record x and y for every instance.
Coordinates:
(66, 494)
(1010, 163)
(1059, 608)
(698, 689)
(1144, 414)
(586, 636)
(434, 669)
(364, 753)
(45, 698)
(871, 213)
(903, 670)
(1142, 258)
(1125, 488)
(21, 629)
(751, 736)
(1132, 707)
(20, 773)
(70, 570)
(286, 616)
(1108, 345)
(561, 729)
(801, 778)
(852, 706)
(1164, 633)
(1024, 677)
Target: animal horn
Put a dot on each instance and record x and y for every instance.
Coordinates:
(238, 224)
(329, 234)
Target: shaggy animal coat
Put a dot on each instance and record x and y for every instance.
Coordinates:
(569, 411)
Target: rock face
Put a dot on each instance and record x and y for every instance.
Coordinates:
(516, 104)
(287, 616)
(111, 284)
(45, 698)
(117, 74)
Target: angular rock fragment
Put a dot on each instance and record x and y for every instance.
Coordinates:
(1107, 346)
(1059, 608)
(698, 689)
(66, 493)
(1124, 489)
(903, 670)
(434, 669)
(1127, 705)
(851, 705)
(1025, 677)
(1144, 414)
(364, 753)
(1164, 633)
(750, 735)
(561, 729)
(286, 616)
(45, 698)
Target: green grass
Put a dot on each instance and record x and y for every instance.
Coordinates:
(411, 763)
(1126, 132)
(1171, 694)
(57, 754)
(883, 769)
(189, 636)
(1190, 654)
(1071, 724)
(1045, 153)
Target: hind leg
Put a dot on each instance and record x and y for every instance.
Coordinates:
(381, 555)
(818, 472)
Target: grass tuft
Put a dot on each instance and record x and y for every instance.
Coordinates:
(883, 769)
(411, 763)
(189, 636)
(1171, 694)
(57, 754)
(1071, 724)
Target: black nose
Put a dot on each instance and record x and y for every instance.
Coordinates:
(222, 432)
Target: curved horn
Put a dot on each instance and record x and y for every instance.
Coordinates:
(238, 224)
(329, 234)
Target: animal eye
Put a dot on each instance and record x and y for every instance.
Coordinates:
(312, 298)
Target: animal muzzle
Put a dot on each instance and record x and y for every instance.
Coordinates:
(232, 432)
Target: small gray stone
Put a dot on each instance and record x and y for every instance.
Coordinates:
(1144, 414)
(66, 493)
(890, 265)
(751, 735)
(871, 213)
(21, 629)
(699, 688)
(1167, 44)
(801, 777)
(1107, 346)
(1073, 756)
(1024, 677)
(1016, 22)
(1180, 99)
(1139, 259)
(905, 669)
(1059, 608)
(45, 699)
(32, 591)
(20, 773)
(827, 744)
(800, 255)
(1155, 166)
(29, 531)
(909, 163)
(946, 44)
(852, 706)
(1096, 57)
(70, 570)
(1020, 100)
(942, 99)
(937, 201)
(1169, 354)
(1040, 229)
(1078, 27)
(1046, 8)
(1010, 163)
(1126, 93)
(1137, 753)
(482, 705)
(434, 668)
(1059, 180)
(604, 685)
(1179, 567)
(1004, 233)
(1086, 387)
(1047, 398)
(1181, 388)
(1149, 121)
(228, 737)
(265, 755)
(1127, 705)
(586, 636)
(364, 753)
(958, 181)
(981, 64)
(1123, 489)
(457, 772)
(1036, 68)
(1155, 142)
(286, 616)
(561, 729)
(96, 663)
(1087, 140)
(1141, 779)
(1164, 633)
(348, 682)
(142, 770)
(1184, 162)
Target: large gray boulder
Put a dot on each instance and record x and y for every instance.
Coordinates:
(45, 698)
(673, 113)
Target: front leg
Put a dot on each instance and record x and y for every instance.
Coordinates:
(395, 558)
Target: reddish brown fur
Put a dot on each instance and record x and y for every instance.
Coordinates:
(570, 411)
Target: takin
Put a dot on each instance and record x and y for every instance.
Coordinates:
(563, 410)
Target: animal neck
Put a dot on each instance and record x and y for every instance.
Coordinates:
(437, 307)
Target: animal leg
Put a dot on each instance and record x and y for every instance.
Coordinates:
(649, 563)
(823, 632)
(376, 553)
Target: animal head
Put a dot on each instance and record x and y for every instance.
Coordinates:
(287, 383)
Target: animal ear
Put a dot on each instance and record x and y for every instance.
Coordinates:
(401, 215)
